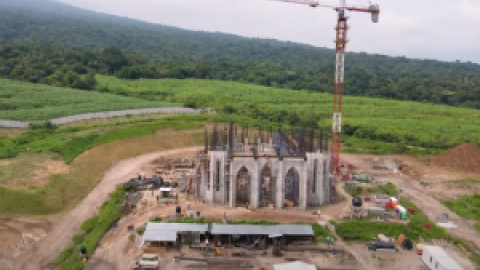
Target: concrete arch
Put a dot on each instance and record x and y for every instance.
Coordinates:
(292, 186)
(243, 186)
(267, 185)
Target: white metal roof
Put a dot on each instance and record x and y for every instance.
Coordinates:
(449, 264)
(177, 227)
(291, 229)
(243, 229)
(165, 189)
(294, 266)
(284, 229)
(161, 236)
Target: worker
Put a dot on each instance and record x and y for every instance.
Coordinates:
(318, 213)
(246, 205)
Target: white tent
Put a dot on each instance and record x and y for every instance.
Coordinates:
(294, 266)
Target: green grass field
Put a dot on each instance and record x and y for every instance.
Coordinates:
(27, 101)
(367, 119)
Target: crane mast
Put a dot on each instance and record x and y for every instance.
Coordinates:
(340, 45)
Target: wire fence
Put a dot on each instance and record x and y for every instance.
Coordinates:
(102, 115)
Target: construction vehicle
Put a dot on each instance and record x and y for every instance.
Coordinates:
(155, 182)
(340, 45)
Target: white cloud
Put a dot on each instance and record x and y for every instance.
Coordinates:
(446, 30)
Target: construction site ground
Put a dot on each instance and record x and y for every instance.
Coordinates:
(47, 237)
(35, 243)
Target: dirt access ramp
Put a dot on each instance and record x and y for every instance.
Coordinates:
(42, 255)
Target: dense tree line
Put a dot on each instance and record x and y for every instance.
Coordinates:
(155, 51)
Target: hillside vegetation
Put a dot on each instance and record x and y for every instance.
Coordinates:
(27, 101)
(401, 123)
(156, 51)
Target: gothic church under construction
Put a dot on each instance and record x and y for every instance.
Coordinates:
(264, 168)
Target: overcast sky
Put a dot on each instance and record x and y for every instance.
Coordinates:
(436, 29)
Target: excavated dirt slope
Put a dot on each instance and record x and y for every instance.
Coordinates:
(465, 157)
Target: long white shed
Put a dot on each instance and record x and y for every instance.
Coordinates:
(437, 259)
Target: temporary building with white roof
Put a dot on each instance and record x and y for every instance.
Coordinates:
(294, 266)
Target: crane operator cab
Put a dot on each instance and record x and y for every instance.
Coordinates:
(375, 11)
(341, 13)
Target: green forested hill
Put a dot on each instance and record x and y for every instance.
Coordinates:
(164, 51)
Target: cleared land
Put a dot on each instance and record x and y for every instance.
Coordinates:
(28, 101)
(30, 171)
(402, 124)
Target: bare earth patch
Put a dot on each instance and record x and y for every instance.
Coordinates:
(29, 170)
(10, 131)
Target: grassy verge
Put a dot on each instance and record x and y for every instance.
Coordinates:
(64, 191)
(464, 181)
(94, 228)
(467, 207)
(388, 189)
(71, 141)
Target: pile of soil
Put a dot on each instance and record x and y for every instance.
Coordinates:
(465, 157)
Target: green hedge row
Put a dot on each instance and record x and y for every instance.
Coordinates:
(94, 228)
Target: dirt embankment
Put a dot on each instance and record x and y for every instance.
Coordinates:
(465, 157)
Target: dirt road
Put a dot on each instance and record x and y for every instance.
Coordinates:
(43, 254)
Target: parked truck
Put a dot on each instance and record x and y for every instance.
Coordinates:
(148, 261)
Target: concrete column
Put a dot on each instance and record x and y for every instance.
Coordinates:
(203, 183)
(210, 192)
(255, 186)
(303, 186)
(246, 146)
(233, 186)
(280, 193)
(259, 144)
(321, 180)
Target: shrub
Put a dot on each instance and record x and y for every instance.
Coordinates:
(140, 231)
(320, 232)
(131, 237)
(78, 239)
(64, 255)
(189, 220)
(156, 219)
(254, 222)
(89, 224)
